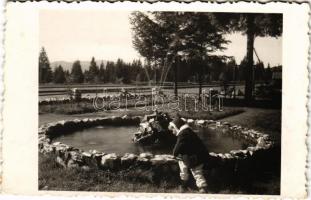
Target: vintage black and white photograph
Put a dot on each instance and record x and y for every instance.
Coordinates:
(160, 101)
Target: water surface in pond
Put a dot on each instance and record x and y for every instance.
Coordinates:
(112, 139)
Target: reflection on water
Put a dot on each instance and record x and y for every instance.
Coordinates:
(111, 139)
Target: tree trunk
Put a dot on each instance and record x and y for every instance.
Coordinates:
(249, 56)
(176, 76)
(200, 79)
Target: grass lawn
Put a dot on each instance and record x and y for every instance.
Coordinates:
(53, 177)
(266, 120)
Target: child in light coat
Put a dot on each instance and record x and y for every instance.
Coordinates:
(192, 152)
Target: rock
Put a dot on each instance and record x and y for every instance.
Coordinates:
(200, 122)
(71, 164)
(47, 149)
(41, 130)
(86, 154)
(62, 122)
(226, 123)
(85, 168)
(228, 156)
(71, 125)
(146, 155)
(157, 161)
(45, 187)
(241, 153)
(60, 161)
(55, 129)
(252, 148)
(238, 153)
(213, 154)
(128, 159)
(86, 120)
(190, 121)
(42, 138)
(145, 127)
(136, 119)
(143, 162)
(77, 121)
(93, 151)
(92, 120)
(117, 121)
(261, 142)
(165, 156)
(76, 156)
(111, 161)
(89, 160)
(210, 121)
(40, 145)
(244, 151)
(61, 147)
(221, 156)
(217, 124)
(98, 158)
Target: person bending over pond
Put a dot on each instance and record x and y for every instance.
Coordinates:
(191, 153)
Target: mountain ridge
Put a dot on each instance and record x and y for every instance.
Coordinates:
(67, 65)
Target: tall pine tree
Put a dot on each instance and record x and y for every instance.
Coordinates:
(93, 73)
(45, 71)
(59, 75)
(76, 73)
(102, 72)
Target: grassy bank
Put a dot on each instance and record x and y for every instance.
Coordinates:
(54, 177)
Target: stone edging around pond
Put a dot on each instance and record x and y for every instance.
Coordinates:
(72, 157)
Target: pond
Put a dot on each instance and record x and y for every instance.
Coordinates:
(112, 139)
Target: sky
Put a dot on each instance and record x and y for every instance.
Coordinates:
(69, 35)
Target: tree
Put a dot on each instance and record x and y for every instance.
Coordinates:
(259, 72)
(136, 68)
(110, 72)
(67, 76)
(76, 73)
(252, 25)
(93, 71)
(45, 71)
(231, 69)
(102, 72)
(268, 73)
(170, 37)
(242, 69)
(59, 75)
(87, 76)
